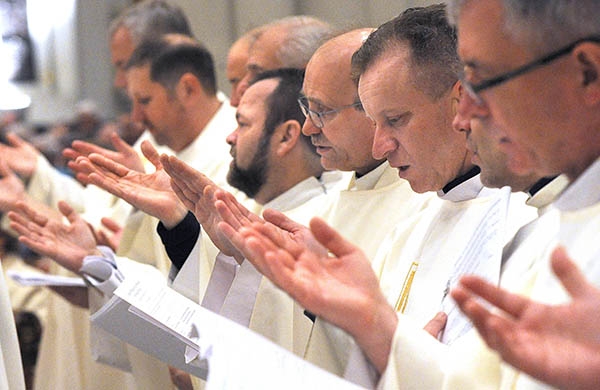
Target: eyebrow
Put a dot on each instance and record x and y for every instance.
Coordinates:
(478, 67)
(239, 115)
(313, 100)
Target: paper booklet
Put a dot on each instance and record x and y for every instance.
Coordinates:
(38, 279)
(159, 321)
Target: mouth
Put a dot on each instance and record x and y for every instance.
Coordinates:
(403, 168)
(322, 149)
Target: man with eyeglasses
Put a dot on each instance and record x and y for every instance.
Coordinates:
(546, 117)
(375, 199)
(418, 261)
(555, 123)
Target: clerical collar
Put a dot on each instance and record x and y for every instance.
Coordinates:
(545, 191)
(583, 192)
(539, 185)
(461, 179)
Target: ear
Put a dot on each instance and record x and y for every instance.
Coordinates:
(455, 96)
(587, 56)
(286, 136)
(187, 86)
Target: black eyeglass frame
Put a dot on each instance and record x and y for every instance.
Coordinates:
(316, 117)
(475, 89)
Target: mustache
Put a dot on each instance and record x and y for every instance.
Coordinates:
(318, 139)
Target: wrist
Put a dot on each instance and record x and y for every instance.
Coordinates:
(174, 217)
(376, 335)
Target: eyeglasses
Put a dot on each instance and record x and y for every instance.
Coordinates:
(474, 89)
(317, 118)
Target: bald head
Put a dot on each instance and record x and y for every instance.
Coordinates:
(332, 61)
(237, 59)
(286, 43)
(344, 138)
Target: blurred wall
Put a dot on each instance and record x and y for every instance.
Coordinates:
(74, 61)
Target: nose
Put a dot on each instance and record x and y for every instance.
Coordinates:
(137, 113)
(243, 86)
(120, 81)
(234, 100)
(232, 137)
(309, 128)
(460, 123)
(468, 108)
(383, 143)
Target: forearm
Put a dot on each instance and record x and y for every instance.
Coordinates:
(180, 239)
(376, 333)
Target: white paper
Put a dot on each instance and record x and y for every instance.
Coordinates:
(152, 320)
(482, 256)
(159, 321)
(38, 279)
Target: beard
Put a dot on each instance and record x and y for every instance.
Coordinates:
(251, 179)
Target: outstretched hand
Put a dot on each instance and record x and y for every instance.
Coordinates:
(19, 155)
(66, 243)
(123, 154)
(341, 287)
(198, 193)
(112, 239)
(11, 188)
(149, 192)
(559, 344)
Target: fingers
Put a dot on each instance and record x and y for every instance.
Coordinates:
(151, 154)
(86, 148)
(29, 213)
(436, 325)
(570, 276)
(330, 238)
(120, 145)
(111, 224)
(279, 219)
(109, 165)
(5, 169)
(472, 309)
(15, 140)
(510, 303)
(68, 212)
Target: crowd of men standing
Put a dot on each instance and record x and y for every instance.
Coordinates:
(354, 200)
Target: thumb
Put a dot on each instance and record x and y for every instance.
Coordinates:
(570, 276)
(151, 154)
(120, 145)
(68, 211)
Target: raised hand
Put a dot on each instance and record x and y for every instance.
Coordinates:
(19, 155)
(124, 154)
(113, 239)
(12, 189)
(150, 193)
(559, 344)
(66, 243)
(198, 193)
(341, 287)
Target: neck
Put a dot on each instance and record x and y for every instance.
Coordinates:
(284, 177)
(374, 165)
(203, 113)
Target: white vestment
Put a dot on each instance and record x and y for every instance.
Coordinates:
(364, 213)
(11, 371)
(209, 154)
(64, 359)
(468, 363)
(416, 263)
